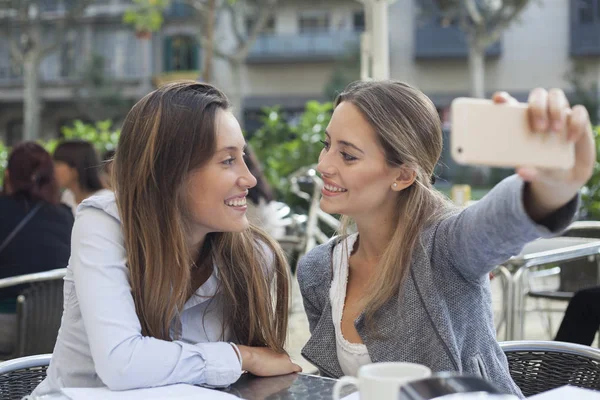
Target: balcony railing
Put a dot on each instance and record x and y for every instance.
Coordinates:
(318, 46)
(179, 9)
(585, 28)
(435, 41)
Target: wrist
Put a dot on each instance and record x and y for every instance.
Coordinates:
(247, 356)
(541, 199)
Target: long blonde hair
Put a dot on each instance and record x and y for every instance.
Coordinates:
(408, 128)
(166, 135)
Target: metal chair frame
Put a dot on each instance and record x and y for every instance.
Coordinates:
(538, 366)
(28, 279)
(313, 235)
(18, 377)
(576, 229)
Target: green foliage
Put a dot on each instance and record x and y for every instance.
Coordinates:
(283, 148)
(584, 93)
(345, 71)
(4, 150)
(590, 194)
(147, 15)
(101, 135)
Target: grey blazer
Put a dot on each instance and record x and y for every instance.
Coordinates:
(442, 315)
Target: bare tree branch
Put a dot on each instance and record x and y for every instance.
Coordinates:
(63, 25)
(500, 24)
(13, 10)
(218, 52)
(199, 5)
(473, 12)
(240, 37)
(266, 8)
(15, 51)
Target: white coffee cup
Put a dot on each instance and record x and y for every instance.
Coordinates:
(382, 381)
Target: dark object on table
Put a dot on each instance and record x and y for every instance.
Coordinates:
(442, 385)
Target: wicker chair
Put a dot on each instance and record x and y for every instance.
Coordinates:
(39, 311)
(538, 366)
(20, 376)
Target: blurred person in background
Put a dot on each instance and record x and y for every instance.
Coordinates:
(79, 171)
(35, 230)
(107, 160)
(262, 207)
(582, 318)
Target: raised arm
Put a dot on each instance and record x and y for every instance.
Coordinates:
(537, 203)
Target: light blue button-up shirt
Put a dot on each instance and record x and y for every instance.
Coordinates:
(100, 341)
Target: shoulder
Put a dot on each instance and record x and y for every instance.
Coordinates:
(7, 204)
(99, 204)
(98, 217)
(314, 268)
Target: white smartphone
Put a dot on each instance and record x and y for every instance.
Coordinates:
(499, 135)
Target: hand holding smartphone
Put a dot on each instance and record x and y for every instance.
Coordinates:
(499, 135)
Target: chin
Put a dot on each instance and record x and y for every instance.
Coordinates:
(328, 208)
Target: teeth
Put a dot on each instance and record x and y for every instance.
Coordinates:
(239, 202)
(334, 188)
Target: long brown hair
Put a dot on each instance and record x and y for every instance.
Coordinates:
(408, 128)
(166, 135)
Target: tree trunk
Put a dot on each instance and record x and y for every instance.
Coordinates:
(32, 102)
(477, 71)
(236, 95)
(207, 51)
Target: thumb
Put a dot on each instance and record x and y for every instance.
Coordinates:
(528, 174)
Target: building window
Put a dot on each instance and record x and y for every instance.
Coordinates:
(181, 53)
(67, 55)
(14, 132)
(313, 21)
(269, 28)
(585, 11)
(358, 21)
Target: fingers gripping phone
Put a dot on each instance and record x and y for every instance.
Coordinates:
(499, 135)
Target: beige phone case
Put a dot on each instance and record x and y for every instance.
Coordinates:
(498, 135)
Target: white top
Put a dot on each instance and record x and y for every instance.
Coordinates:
(351, 356)
(100, 342)
(67, 197)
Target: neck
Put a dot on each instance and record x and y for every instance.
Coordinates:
(196, 241)
(80, 194)
(375, 233)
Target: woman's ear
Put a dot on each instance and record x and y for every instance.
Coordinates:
(405, 177)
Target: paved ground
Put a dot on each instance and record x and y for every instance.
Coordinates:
(535, 322)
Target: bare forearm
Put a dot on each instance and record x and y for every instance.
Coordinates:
(541, 200)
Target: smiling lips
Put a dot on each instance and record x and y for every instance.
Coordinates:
(330, 189)
(238, 202)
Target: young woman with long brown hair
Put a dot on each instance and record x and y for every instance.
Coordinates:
(412, 284)
(167, 280)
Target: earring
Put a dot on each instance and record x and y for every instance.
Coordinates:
(395, 185)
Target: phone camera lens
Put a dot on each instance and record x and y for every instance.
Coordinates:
(459, 150)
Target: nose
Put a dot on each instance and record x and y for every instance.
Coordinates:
(325, 166)
(247, 180)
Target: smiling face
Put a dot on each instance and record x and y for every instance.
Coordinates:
(358, 180)
(216, 192)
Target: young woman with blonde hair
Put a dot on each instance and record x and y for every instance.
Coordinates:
(167, 281)
(412, 284)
